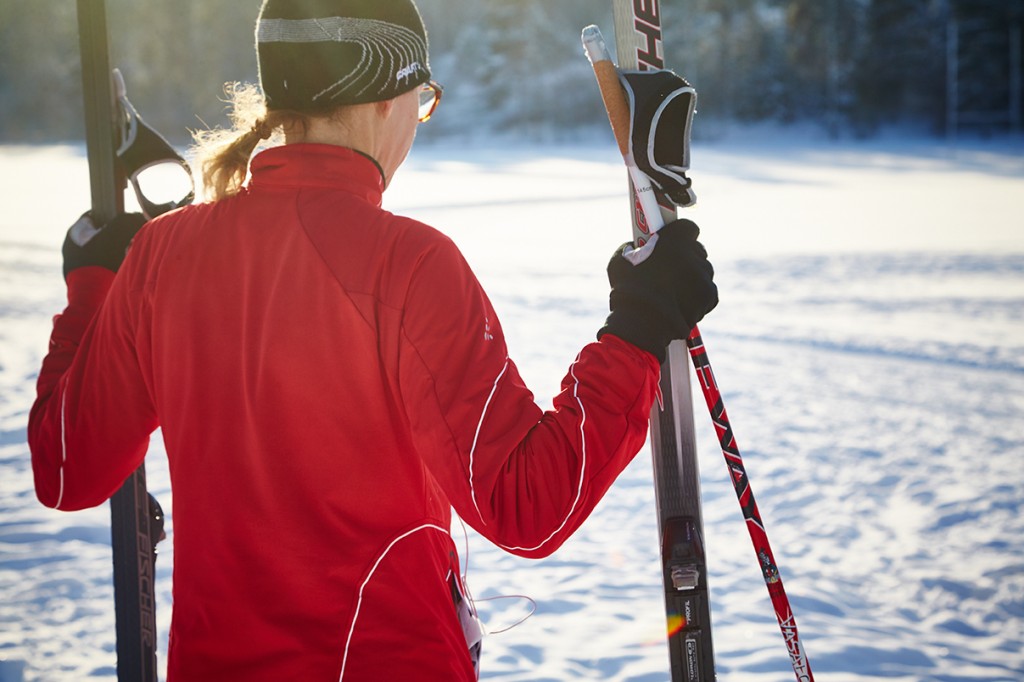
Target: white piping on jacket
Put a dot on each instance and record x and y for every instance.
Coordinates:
(583, 453)
(476, 437)
(63, 446)
(359, 602)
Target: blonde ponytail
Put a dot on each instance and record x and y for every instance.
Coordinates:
(222, 156)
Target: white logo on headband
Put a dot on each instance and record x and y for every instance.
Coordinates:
(408, 71)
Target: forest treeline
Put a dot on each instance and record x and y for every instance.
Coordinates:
(516, 66)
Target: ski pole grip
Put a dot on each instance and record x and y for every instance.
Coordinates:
(612, 94)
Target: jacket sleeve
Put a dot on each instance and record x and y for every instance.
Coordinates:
(524, 478)
(89, 427)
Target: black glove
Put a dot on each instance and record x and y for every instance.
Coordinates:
(662, 298)
(85, 244)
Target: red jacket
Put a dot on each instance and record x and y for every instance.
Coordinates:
(330, 379)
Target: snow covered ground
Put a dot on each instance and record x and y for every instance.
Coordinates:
(869, 345)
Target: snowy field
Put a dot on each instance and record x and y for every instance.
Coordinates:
(869, 345)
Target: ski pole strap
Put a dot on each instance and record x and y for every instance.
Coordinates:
(143, 148)
(661, 108)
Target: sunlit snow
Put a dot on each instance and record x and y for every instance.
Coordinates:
(869, 345)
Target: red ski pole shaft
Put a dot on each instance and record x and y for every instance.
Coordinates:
(751, 514)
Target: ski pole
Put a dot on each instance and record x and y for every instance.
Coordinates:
(618, 115)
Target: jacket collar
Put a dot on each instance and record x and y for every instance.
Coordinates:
(322, 166)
